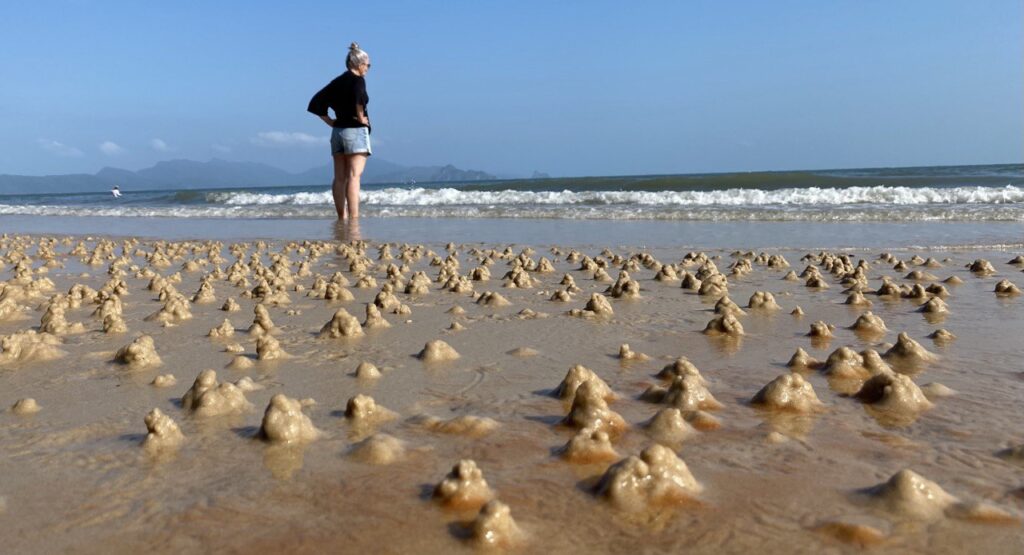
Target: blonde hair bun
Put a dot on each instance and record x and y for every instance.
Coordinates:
(354, 46)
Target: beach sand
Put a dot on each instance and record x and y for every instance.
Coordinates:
(349, 457)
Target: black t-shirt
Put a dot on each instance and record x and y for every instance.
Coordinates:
(342, 95)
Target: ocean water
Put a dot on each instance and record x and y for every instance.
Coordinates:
(895, 207)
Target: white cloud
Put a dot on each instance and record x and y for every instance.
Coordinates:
(286, 138)
(220, 148)
(110, 148)
(59, 148)
(159, 145)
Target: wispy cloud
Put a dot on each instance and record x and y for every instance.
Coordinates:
(110, 148)
(160, 145)
(220, 148)
(286, 138)
(59, 148)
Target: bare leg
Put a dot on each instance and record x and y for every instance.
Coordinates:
(338, 186)
(356, 163)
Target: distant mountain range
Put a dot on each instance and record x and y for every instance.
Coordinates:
(189, 174)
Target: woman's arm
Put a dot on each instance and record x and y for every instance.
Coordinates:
(361, 115)
(328, 121)
(318, 104)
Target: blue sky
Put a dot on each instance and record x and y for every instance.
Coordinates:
(569, 88)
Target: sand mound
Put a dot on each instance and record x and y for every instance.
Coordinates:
(1007, 288)
(908, 350)
(225, 329)
(379, 449)
(207, 397)
(284, 422)
(597, 306)
(164, 380)
(726, 324)
(797, 312)
(657, 477)
(981, 267)
(669, 427)
(374, 319)
(575, 377)
(261, 323)
(114, 323)
(680, 367)
(26, 406)
(493, 299)
(857, 299)
(230, 305)
(690, 392)
(342, 324)
(869, 323)
(465, 425)
(590, 410)
(725, 305)
(941, 336)
(821, 330)
(139, 353)
(464, 487)
(495, 528)
(788, 392)
(895, 393)
(763, 300)
(163, 432)
(589, 446)
(362, 410)
(910, 495)
(627, 354)
(437, 351)
(367, 371)
(801, 360)
(269, 348)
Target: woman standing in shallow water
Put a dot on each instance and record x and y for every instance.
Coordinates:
(350, 128)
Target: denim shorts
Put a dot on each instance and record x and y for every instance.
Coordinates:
(350, 140)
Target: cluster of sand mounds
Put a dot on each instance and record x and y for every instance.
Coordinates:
(590, 410)
(788, 392)
(624, 287)
(224, 330)
(140, 353)
(284, 422)
(464, 487)
(208, 397)
(657, 477)
(846, 364)
(909, 495)
(162, 432)
(29, 346)
(821, 330)
(725, 305)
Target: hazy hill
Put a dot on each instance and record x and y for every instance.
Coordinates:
(190, 174)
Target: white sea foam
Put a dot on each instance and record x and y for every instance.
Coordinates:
(809, 196)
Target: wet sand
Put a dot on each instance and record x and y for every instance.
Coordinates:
(76, 476)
